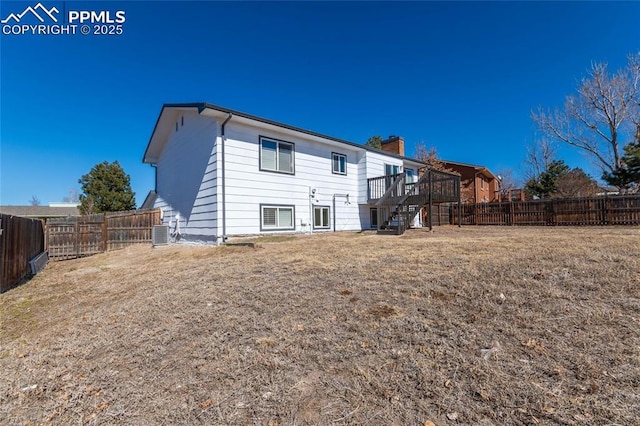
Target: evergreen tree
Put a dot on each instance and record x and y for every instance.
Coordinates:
(546, 183)
(627, 176)
(375, 142)
(106, 188)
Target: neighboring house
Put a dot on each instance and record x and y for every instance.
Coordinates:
(479, 185)
(517, 194)
(221, 172)
(53, 210)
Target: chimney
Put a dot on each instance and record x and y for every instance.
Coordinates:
(394, 145)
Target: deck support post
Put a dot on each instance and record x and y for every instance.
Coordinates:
(430, 202)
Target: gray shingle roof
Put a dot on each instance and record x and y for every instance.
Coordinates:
(39, 211)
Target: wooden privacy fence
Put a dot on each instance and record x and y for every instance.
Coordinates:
(79, 236)
(21, 239)
(616, 210)
(440, 214)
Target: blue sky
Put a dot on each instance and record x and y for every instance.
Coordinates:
(461, 77)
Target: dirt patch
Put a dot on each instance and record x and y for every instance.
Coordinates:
(457, 326)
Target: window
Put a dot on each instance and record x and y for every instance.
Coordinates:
(276, 156)
(411, 174)
(373, 218)
(276, 217)
(391, 169)
(321, 217)
(482, 182)
(339, 163)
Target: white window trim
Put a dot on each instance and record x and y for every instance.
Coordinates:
(333, 157)
(328, 225)
(278, 207)
(278, 143)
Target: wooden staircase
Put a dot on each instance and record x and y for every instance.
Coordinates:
(401, 201)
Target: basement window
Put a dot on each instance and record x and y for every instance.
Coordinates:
(321, 217)
(276, 217)
(339, 163)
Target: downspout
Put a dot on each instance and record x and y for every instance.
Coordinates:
(155, 178)
(224, 207)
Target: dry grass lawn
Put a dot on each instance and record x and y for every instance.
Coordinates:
(477, 326)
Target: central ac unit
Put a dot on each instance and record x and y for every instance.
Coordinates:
(160, 235)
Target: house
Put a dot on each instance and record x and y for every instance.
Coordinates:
(479, 185)
(53, 210)
(221, 173)
(517, 194)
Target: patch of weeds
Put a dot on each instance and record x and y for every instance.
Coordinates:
(266, 342)
(382, 311)
(16, 318)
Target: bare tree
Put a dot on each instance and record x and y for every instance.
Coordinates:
(34, 201)
(72, 197)
(540, 155)
(602, 117)
(508, 182)
(429, 156)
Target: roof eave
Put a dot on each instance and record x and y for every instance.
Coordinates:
(201, 106)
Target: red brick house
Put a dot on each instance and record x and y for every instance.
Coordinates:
(479, 185)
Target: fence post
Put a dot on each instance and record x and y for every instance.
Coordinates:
(105, 235)
(512, 213)
(508, 213)
(430, 202)
(76, 246)
(605, 203)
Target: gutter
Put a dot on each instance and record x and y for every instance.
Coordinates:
(224, 206)
(155, 177)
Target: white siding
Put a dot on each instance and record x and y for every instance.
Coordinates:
(363, 193)
(247, 187)
(375, 163)
(187, 178)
